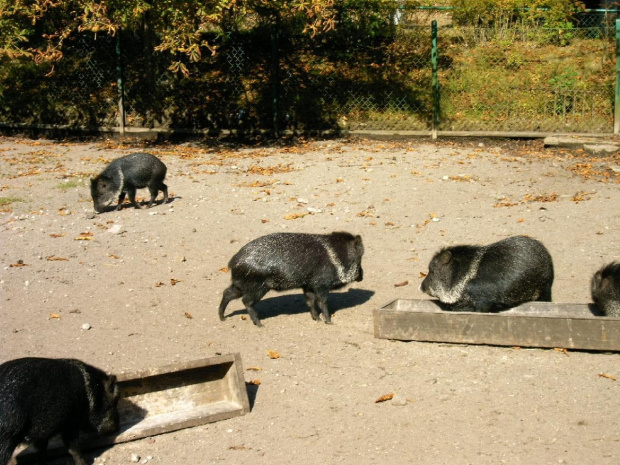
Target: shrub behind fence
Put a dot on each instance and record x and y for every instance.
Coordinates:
(269, 77)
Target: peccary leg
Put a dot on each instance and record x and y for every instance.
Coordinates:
(41, 448)
(131, 192)
(545, 296)
(155, 190)
(230, 293)
(249, 300)
(321, 296)
(154, 193)
(7, 446)
(164, 189)
(121, 199)
(71, 443)
(311, 303)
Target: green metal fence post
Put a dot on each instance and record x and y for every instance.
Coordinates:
(435, 80)
(617, 99)
(275, 63)
(121, 84)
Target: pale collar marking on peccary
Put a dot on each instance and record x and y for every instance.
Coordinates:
(456, 291)
(87, 384)
(120, 184)
(344, 276)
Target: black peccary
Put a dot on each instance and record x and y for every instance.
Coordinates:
(126, 174)
(490, 278)
(313, 262)
(41, 397)
(606, 289)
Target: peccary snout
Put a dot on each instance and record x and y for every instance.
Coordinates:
(313, 262)
(606, 289)
(490, 278)
(124, 176)
(41, 397)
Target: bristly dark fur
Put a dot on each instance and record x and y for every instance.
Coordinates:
(491, 278)
(313, 262)
(124, 176)
(41, 397)
(606, 289)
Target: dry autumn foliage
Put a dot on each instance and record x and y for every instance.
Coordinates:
(384, 398)
(272, 354)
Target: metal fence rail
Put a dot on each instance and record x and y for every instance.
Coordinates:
(401, 78)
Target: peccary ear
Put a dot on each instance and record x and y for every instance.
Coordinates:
(111, 387)
(445, 257)
(605, 284)
(359, 246)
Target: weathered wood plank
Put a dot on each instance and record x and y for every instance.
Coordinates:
(534, 324)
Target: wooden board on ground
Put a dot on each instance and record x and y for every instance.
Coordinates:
(173, 397)
(533, 324)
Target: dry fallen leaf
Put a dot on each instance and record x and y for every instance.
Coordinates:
(559, 349)
(254, 369)
(581, 196)
(159, 284)
(384, 398)
(294, 216)
(273, 354)
(422, 274)
(114, 256)
(54, 258)
(404, 283)
(54, 316)
(56, 235)
(255, 382)
(85, 236)
(223, 270)
(552, 197)
(19, 263)
(188, 316)
(174, 281)
(604, 375)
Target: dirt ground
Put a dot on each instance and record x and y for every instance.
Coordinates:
(64, 267)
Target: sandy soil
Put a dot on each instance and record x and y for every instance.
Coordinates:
(455, 404)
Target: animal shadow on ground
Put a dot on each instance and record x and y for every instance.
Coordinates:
(142, 202)
(293, 304)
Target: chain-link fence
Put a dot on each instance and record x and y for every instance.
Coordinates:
(525, 79)
(372, 73)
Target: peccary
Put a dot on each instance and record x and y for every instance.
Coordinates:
(126, 174)
(313, 262)
(606, 289)
(41, 397)
(492, 277)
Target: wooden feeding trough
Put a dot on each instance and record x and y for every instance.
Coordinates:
(533, 324)
(173, 397)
